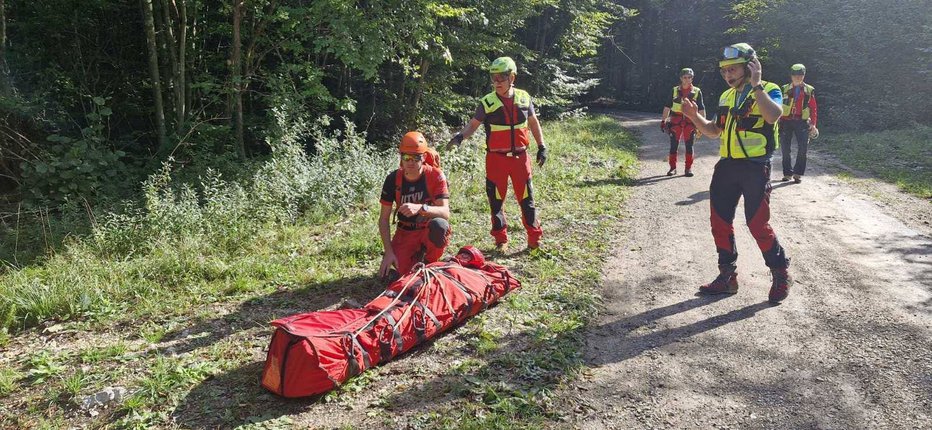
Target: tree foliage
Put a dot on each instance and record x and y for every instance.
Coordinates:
(184, 75)
(870, 62)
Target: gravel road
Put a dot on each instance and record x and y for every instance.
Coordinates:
(850, 348)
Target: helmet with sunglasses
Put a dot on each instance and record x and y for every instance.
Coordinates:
(739, 53)
(413, 142)
(797, 69)
(503, 65)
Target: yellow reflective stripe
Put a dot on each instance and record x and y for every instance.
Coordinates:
(754, 143)
(507, 127)
(677, 107)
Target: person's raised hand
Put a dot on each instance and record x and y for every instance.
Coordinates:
(690, 108)
(756, 71)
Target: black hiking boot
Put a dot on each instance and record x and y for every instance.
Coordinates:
(782, 281)
(725, 283)
(688, 173)
(671, 172)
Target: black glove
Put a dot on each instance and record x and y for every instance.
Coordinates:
(663, 126)
(456, 140)
(541, 155)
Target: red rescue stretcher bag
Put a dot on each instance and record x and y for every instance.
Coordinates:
(314, 352)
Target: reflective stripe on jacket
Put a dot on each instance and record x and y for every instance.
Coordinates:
(789, 102)
(678, 102)
(745, 133)
(506, 130)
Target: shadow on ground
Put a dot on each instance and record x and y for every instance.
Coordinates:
(693, 199)
(255, 312)
(632, 345)
(235, 397)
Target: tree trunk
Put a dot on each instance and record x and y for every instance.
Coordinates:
(174, 46)
(149, 23)
(6, 87)
(422, 81)
(182, 106)
(236, 75)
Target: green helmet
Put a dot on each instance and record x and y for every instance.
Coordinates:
(797, 69)
(687, 71)
(736, 54)
(503, 65)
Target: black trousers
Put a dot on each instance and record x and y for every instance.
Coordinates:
(732, 179)
(788, 129)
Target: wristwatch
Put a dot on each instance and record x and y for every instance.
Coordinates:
(759, 87)
(423, 209)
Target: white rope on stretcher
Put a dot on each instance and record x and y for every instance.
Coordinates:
(397, 298)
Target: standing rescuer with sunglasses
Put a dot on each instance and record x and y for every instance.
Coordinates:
(747, 113)
(508, 116)
(418, 191)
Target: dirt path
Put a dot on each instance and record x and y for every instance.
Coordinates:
(850, 348)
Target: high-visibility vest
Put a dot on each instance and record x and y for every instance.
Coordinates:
(506, 130)
(678, 101)
(745, 134)
(789, 102)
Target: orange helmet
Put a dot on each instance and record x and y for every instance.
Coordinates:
(413, 142)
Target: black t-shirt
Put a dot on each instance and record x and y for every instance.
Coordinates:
(412, 192)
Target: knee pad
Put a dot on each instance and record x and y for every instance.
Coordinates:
(491, 190)
(528, 208)
(437, 231)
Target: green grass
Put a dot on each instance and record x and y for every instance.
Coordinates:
(8, 378)
(191, 313)
(902, 157)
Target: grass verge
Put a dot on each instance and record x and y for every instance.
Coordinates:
(184, 327)
(902, 157)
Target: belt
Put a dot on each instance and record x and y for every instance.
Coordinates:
(515, 153)
(411, 226)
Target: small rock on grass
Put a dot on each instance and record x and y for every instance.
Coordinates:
(104, 398)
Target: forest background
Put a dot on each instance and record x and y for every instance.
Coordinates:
(96, 95)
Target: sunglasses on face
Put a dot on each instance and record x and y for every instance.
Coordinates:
(412, 157)
(501, 77)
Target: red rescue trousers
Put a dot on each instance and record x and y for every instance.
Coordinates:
(498, 168)
(425, 244)
(681, 128)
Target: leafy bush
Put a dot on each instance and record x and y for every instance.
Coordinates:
(180, 223)
(74, 168)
